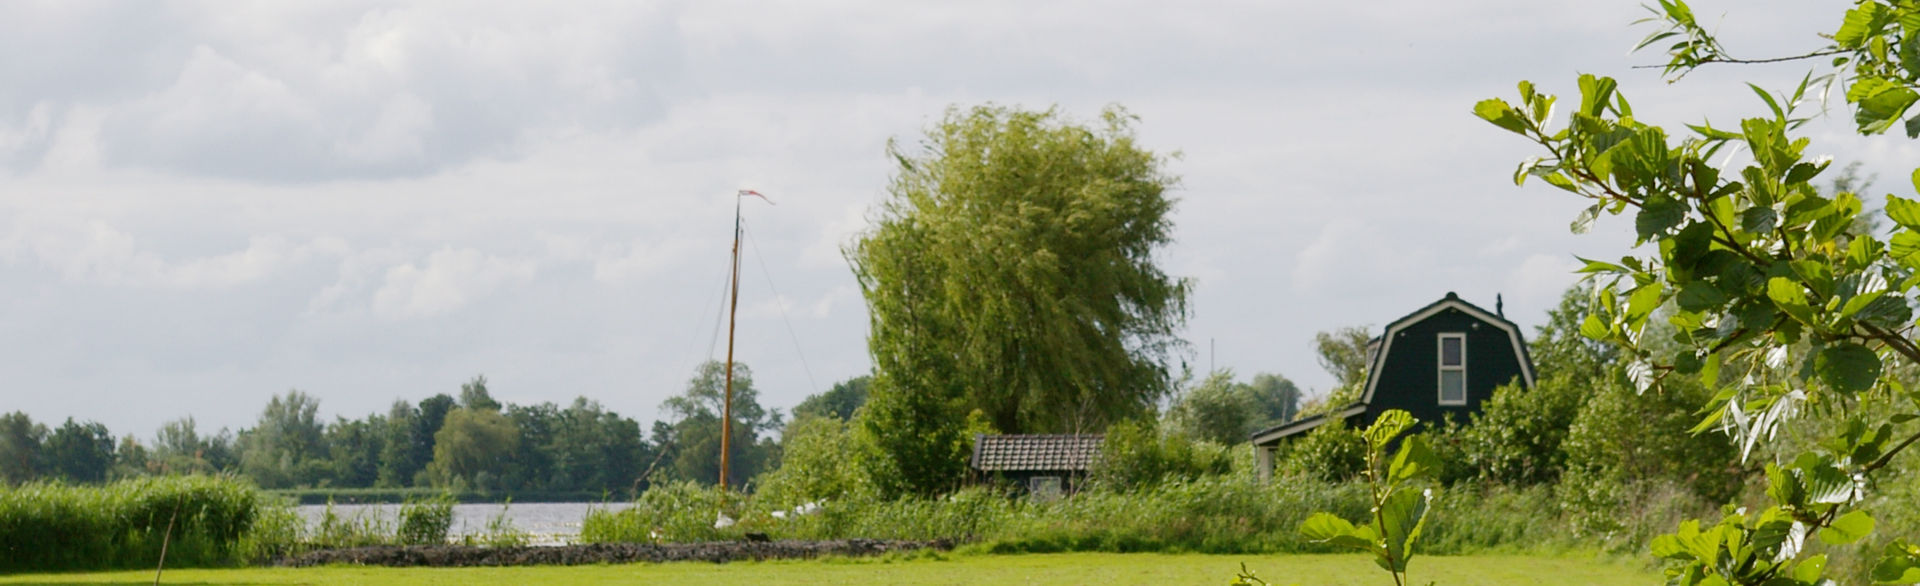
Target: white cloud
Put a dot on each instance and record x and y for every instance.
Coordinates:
(95, 251)
(445, 282)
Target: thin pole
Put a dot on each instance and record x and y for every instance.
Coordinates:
(726, 417)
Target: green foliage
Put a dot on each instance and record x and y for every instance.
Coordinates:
(20, 457)
(50, 526)
(1768, 278)
(1399, 503)
(1516, 437)
(682, 511)
(286, 448)
(1343, 352)
(1012, 271)
(696, 434)
(79, 452)
(473, 446)
(1230, 513)
(838, 402)
(1227, 412)
(1135, 456)
(1331, 452)
(921, 440)
(820, 461)
(425, 521)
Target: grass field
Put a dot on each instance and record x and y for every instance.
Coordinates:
(1075, 569)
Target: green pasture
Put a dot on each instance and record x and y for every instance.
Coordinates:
(1038, 569)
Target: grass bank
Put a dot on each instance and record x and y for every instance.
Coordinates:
(1051, 569)
(1212, 515)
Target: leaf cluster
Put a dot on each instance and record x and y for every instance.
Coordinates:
(1400, 503)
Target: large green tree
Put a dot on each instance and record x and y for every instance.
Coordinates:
(1013, 265)
(20, 439)
(287, 447)
(695, 435)
(473, 449)
(1779, 304)
(80, 452)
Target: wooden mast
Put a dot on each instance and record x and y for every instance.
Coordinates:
(726, 417)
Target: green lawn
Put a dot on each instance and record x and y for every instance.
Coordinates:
(1075, 569)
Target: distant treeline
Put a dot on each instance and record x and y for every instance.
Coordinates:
(470, 445)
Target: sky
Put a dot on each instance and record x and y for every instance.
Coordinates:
(203, 205)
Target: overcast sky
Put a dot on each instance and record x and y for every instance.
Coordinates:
(203, 205)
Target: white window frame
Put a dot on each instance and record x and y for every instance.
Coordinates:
(1440, 360)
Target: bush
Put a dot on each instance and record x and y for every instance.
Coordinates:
(1331, 452)
(1135, 456)
(1229, 513)
(53, 526)
(822, 462)
(425, 521)
(1516, 437)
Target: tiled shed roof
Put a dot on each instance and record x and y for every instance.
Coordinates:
(1035, 452)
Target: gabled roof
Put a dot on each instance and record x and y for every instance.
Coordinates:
(1379, 347)
(1020, 453)
(1451, 301)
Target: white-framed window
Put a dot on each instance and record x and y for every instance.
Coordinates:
(1453, 369)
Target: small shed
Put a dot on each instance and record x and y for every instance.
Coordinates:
(1045, 465)
(1441, 360)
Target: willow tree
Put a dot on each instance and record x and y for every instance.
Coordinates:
(1011, 271)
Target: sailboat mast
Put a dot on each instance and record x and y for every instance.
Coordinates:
(726, 417)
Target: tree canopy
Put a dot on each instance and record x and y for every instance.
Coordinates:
(1777, 301)
(1012, 267)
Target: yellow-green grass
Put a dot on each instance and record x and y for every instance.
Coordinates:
(1037, 569)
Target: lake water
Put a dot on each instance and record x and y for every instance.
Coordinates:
(547, 523)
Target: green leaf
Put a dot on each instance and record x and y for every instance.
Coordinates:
(1809, 571)
(1849, 528)
(1848, 367)
(1657, 215)
(1899, 564)
(1414, 460)
(1700, 296)
(1858, 26)
(1905, 212)
(1501, 114)
(1402, 516)
(1670, 547)
(1789, 297)
(1584, 221)
(1904, 247)
(1332, 530)
(1388, 426)
(1594, 328)
(1784, 487)
(1595, 93)
(1759, 219)
(1644, 300)
(1916, 180)
(1771, 104)
(1826, 484)
(1879, 103)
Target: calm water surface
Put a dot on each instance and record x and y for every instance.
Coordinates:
(548, 523)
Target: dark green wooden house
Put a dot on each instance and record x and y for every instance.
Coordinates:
(1443, 359)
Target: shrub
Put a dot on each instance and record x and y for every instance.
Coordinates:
(1331, 452)
(822, 462)
(1135, 456)
(425, 521)
(52, 526)
(1516, 437)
